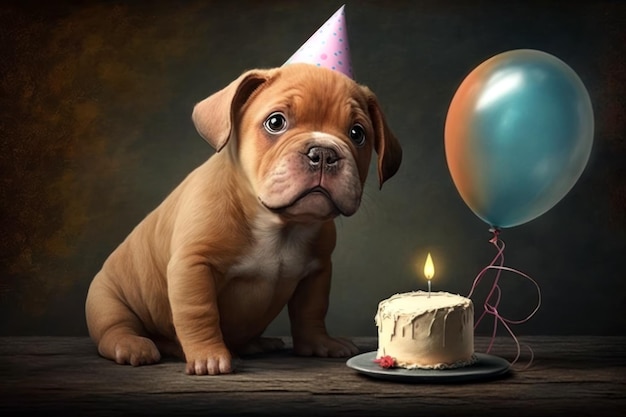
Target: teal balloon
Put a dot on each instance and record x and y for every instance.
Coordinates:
(518, 135)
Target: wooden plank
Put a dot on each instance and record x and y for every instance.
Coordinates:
(569, 376)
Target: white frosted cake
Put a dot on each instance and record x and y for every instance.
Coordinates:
(419, 331)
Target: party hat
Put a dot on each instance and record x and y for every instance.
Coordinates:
(328, 47)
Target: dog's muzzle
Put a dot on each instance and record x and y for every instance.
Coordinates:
(318, 180)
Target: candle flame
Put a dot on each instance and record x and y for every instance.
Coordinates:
(429, 267)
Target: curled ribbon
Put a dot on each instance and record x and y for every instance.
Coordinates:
(493, 298)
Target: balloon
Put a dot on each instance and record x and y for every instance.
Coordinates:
(518, 135)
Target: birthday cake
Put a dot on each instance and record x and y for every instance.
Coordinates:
(416, 330)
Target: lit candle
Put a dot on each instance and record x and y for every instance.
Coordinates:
(429, 270)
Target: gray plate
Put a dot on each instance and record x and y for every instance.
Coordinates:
(485, 367)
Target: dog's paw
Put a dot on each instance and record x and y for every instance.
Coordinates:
(262, 345)
(136, 351)
(214, 361)
(324, 346)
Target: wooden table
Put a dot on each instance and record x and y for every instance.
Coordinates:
(570, 376)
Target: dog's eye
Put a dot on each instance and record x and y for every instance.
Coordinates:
(275, 123)
(357, 134)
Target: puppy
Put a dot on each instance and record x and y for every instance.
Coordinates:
(249, 231)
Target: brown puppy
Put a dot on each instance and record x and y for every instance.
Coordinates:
(250, 230)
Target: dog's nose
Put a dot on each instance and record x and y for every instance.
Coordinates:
(320, 156)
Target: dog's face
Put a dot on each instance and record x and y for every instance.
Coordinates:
(303, 136)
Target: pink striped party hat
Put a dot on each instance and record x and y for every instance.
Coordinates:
(328, 47)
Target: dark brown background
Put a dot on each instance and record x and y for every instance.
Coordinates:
(95, 130)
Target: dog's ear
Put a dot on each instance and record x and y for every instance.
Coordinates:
(385, 143)
(215, 115)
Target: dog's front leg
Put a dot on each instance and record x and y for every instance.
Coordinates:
(307, 313)
(193, 298)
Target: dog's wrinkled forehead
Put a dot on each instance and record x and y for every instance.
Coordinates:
(313, 98)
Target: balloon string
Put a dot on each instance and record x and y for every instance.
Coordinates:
(493, 298)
